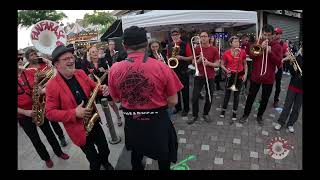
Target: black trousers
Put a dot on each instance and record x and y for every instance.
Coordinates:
(198, 85)
(293, 101)
(235, 95)
(98, 138)
(253, 90)
(136, 162)
(278, 85)
(31, 130)
(286, 66)
(57, 129)
(184, 78)
(249, 64)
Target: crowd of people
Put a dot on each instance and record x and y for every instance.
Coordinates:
(150, 92)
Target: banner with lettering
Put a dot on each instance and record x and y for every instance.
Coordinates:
(46, 35)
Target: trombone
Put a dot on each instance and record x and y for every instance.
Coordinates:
(203, 59)
(256, 50)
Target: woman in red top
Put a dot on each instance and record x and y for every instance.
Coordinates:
(234, 62)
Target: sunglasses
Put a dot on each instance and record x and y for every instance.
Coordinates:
(19, 59)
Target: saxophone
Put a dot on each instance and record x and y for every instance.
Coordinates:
(89, 123)
(38, 100)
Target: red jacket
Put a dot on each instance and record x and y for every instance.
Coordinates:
(274, 59)
(61, 104)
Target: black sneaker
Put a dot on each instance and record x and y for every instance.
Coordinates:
(206, 118)
(243, 119)
(234, 116)
(63, 142)
(191, 121)
(108, 166)
(276, 104)
(222, 113)
(260, 121)
(184, 114)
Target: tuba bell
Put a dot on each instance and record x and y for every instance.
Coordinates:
(173, 62)
(45, 35)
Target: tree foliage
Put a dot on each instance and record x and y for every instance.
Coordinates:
(27, 18)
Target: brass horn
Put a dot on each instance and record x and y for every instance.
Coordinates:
(173, 62)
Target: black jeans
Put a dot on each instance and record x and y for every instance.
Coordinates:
(136, 162)
(286, 66)
(253, 90)
(249, 64)
(57, 129)
(31, 130)
(278, 85)
(293, 101)
(198, 85)
(184, 78)
(98, 138)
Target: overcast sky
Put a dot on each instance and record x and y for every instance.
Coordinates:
(24, 39)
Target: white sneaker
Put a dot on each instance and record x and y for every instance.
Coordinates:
(277, 126)
(290, 128)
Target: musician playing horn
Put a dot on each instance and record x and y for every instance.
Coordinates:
(25, 112)
(263, 73)
(234, 62)
(211, 60)
(66, 94)
(184, 56)
(155, 51)
(293, 100)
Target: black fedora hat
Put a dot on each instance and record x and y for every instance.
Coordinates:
(58, 51)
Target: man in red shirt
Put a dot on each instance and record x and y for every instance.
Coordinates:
(25, 113)
(234, 62)
(184, 56)
(263, 73)
(211, 61)
(67, 92)
(146, 88)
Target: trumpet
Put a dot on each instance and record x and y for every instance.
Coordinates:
(204, 66)
(173, 62)
(159, 56)
(294, 62)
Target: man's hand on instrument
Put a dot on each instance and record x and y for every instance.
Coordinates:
(179, 57)
(29, 113)
(105, 90)
(41, 90)
(264, 43)
(82, 112)
(101, 69)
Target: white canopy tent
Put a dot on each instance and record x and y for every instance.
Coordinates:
(164, 20)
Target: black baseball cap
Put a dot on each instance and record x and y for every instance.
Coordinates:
(177, 30)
